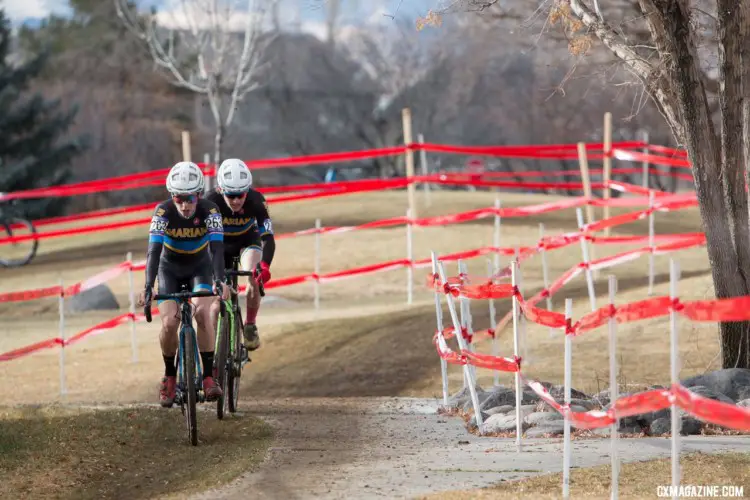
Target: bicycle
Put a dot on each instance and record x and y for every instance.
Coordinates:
(189, 387)
(231, 353)
(11, 220)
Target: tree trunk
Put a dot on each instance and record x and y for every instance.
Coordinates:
(715, 166)
(218, 142)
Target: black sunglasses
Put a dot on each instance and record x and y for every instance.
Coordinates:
(185, 198)
(235, 196)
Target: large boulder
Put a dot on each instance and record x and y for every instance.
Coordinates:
(734, 383)
(98, 298)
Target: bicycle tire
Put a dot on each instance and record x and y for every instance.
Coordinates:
(223, 362)
(191, 418)
(236, 371)
(7, 225)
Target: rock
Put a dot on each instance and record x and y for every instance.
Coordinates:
(500, 409)
(630, 429)
(98, 298)
(460, 398)
(558, 392)
(745, 403)
(707, 392)
(575, 407)
(601, 398)
(472, 424)
(733, 383)
(468, 406)
(578, 409)
(691, 426)
(501, 396)
(541, 418)
(588, 404)
(501, 423)
(661, 426)
(667, 412)
(552, 428)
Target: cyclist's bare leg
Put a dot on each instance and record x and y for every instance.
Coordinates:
(205, 322)
(206, 329)
(169, 311)
(170, 322)
(249, 260)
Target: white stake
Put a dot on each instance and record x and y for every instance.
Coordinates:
(316, 264)
(522, 317)
(674, 276)
(439, 314)
(493, 324)
(613, 392)
(568, 373)
(462, 345)
(545, 273)
(61, 308)
(651, 203)
(410, 258)
(465, 305)
(585, 251)
(496, 234)
(517, 375)
(131, 296)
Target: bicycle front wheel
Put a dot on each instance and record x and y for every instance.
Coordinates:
(188, 366)
(20, 253)
(236, 369)
(223, 362)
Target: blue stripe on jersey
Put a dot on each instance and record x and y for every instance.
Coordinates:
(186, 246)
(266, 227)
(156, 238)
(239, 230)
(215, 236)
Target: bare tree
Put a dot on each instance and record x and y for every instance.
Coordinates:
(666, 48)
(217, 51)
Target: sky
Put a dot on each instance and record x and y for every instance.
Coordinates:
(311, 13)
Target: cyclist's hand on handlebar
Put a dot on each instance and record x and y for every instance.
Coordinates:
(222, 290)
(265, 273)
(144, 297)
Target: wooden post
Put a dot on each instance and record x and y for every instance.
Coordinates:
(586, 180)
(583, 161)
(607, 164)
(186, 146)
(409, 157)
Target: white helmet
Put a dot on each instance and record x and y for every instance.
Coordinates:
(185, 178)
(233, 176)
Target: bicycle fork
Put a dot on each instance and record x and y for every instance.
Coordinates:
(186, 328)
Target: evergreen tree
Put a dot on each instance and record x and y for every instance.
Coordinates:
(33, 151)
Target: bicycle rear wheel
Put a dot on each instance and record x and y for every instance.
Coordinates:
(19, 254)
(223, 362)
(236, 368)
(188, 334)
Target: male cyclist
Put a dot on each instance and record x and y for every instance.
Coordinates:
(248, 233)
(182, 230)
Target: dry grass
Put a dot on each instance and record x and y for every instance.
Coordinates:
(637, 480)
(294, 331)
(134, 453)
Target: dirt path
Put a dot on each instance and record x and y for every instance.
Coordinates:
(330, 448)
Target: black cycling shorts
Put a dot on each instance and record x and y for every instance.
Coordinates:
(172, 277)
(233, 251)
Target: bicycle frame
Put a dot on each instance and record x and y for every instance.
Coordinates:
(186, 328)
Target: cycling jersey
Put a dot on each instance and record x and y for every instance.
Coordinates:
(246, 227)
(179, 247)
